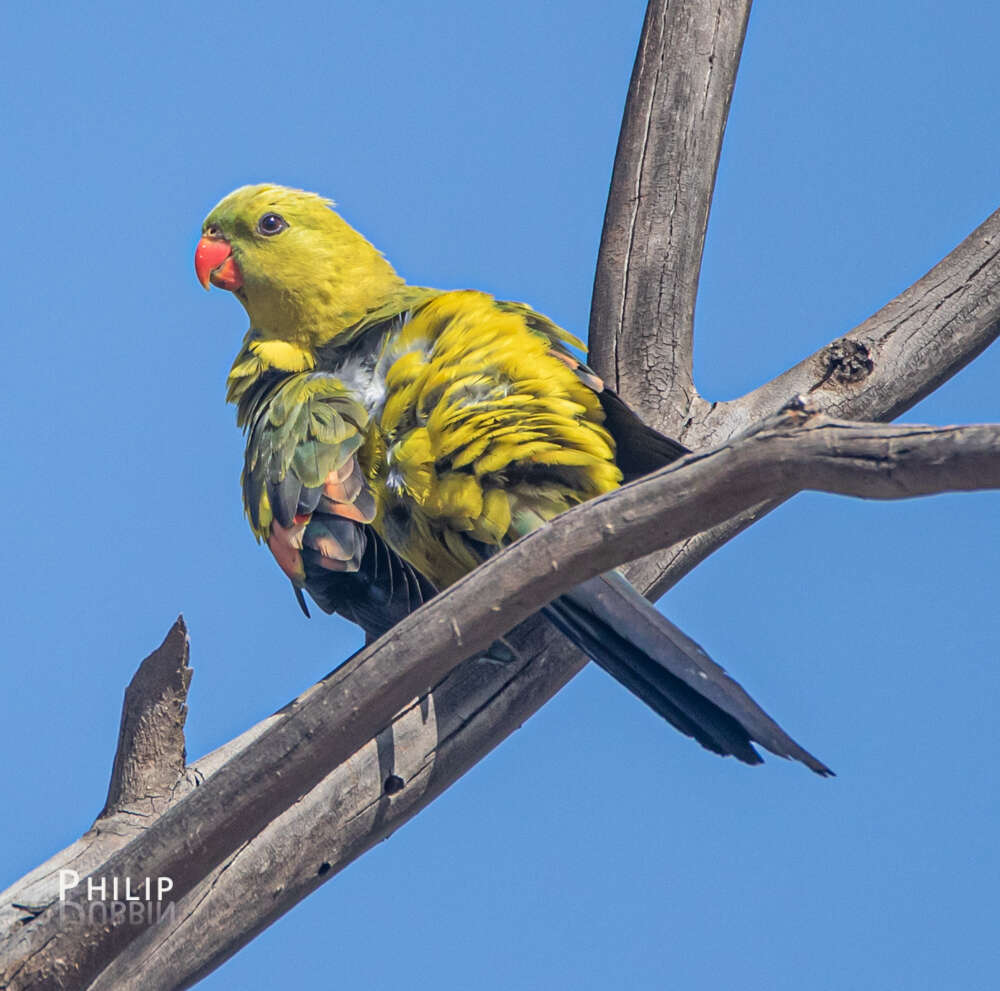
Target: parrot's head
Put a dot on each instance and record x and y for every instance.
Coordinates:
(303, 274)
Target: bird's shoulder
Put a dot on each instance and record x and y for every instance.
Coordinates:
(415, 314)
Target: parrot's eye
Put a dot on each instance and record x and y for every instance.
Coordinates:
(271, 224)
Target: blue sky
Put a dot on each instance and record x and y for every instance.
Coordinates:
(595, 848)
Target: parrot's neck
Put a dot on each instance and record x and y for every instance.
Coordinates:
(264, 360)
(323, 310)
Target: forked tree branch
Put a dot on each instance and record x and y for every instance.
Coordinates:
(897, 356)
(642, 315)
(332, 721)
(477, 706)
(884, 366)
(676, 128)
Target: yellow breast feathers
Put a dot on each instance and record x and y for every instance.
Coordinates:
(486, 431)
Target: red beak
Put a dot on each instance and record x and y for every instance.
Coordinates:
(214, 263)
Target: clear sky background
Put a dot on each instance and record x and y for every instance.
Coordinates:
(473, 143)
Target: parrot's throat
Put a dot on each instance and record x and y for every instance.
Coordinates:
(321, 307)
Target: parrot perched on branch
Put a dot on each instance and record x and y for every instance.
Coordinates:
(398, 436)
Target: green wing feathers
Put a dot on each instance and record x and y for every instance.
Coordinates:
(303, 485)
(301, 452)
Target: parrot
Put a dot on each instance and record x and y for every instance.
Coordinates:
(398, 436)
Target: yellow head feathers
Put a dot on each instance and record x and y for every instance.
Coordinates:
(304, 275)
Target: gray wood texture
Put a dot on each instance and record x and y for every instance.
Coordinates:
(642, 313)
(284, 807)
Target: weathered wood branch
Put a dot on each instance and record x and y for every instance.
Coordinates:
(699, 45)
(897, 356)
(150, 757)
(884, 366)
(642, 315)
(324, 727)
(641, 335)
(148, 775)
(427, 748)
(513, 696)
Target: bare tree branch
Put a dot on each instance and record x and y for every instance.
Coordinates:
(641, 341)
(688, 56)
(150, 757)
(884, 366)
(677, 28)
(147, 776)
(330, 722)
(642, 315)
(897, 356)
(427, 748)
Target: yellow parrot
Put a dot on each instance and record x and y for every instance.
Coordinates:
(397, 436)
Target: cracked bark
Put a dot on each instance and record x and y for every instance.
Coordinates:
(148, 775)
(298, 772)
(150, 756)
(641, 325)
(642, 315)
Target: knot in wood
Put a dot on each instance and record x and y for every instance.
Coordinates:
(847, 361)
